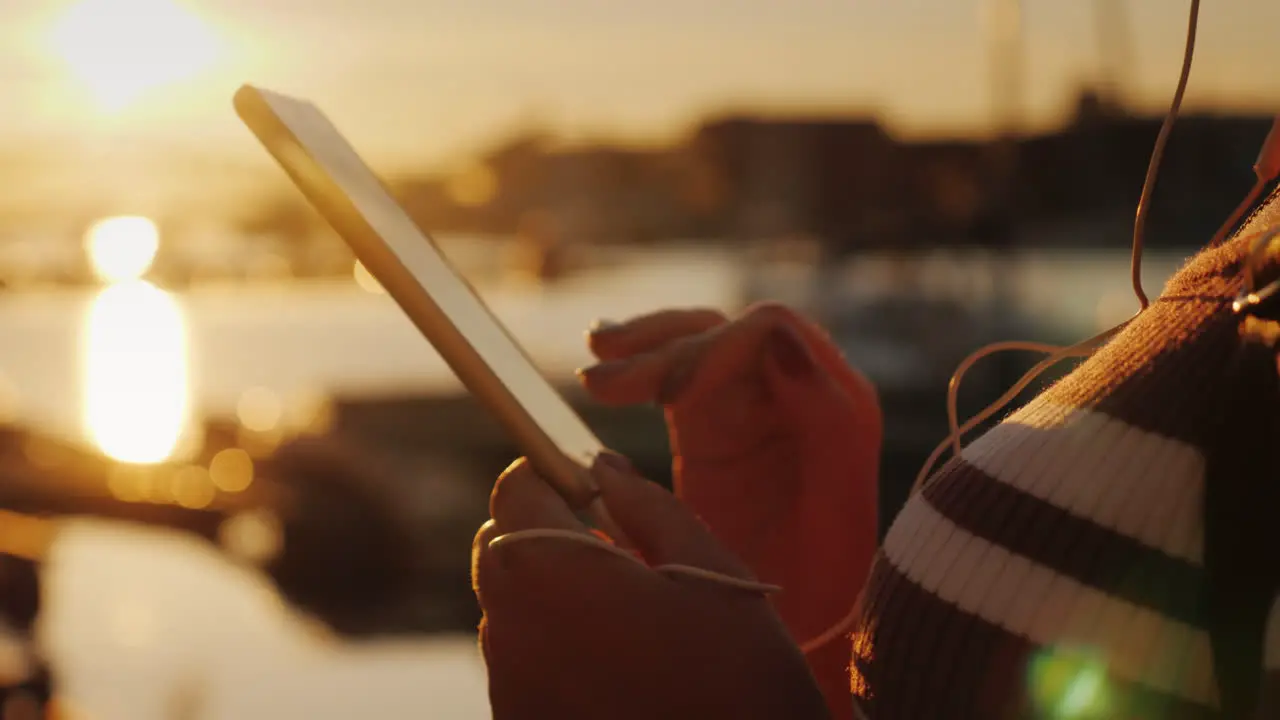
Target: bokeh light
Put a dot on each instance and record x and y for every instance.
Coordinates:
(474, 187)
(231, 470)
(129, 483)
(259, 409)
(253, 535)
(193, 487)
(1070, 684)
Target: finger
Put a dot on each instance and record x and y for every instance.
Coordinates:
(645, 378)
(839, 442)
(813, 399)
(484, 569)
(673, 372)
(661, 527)
(522, 500)
(835, 429)
(513, 689)
(831, 358)
(485, 643)
(556, 569)
(610, 341)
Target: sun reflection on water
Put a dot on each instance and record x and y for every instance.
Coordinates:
(136, 395)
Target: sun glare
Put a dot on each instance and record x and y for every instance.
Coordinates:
(121, 50)
(122, 248)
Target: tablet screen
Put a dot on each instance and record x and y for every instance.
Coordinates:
(324, 152)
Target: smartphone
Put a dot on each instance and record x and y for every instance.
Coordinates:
(435, 296)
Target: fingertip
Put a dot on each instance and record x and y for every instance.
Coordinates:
(594, 343)
(487, 532)
(627, 494)
(603, 337)
(611, 381)
(605, 370)
(483, 560)
(647, 333)
(514, 466)
(517, 467)
(589, 379)
(601, 326)
(521, 499)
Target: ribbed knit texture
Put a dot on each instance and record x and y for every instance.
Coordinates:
(1057, 569)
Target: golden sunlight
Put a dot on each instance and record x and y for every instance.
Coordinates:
(122, 248)
(121, 50)
(135, 373)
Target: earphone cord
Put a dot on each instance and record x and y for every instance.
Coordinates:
(957, 431)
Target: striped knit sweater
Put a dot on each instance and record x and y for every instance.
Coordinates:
(1104, 552)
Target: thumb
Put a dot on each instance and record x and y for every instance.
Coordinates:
(660, 527)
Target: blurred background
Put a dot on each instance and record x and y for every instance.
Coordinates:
(923, 176)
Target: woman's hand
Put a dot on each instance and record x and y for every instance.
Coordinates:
(776, 443)
(572, 631)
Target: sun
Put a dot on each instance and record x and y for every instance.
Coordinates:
(122, 248)
(120, 50)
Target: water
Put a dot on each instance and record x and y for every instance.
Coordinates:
(76, 363)
(141, 625)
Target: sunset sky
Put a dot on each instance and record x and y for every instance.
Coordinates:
(418, 82)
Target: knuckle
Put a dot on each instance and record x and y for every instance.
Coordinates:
(713, 315)
(771, 312)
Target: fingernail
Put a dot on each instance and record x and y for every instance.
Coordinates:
(602, 326)
(790, 353)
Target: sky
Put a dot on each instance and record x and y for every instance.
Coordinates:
(426, 83)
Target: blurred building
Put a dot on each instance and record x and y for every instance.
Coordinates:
(834, 178)
(842, 180)
(1082, 184)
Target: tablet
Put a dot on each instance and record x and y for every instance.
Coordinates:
(435, 296)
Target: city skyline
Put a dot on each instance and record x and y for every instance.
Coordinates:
(102, 102)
